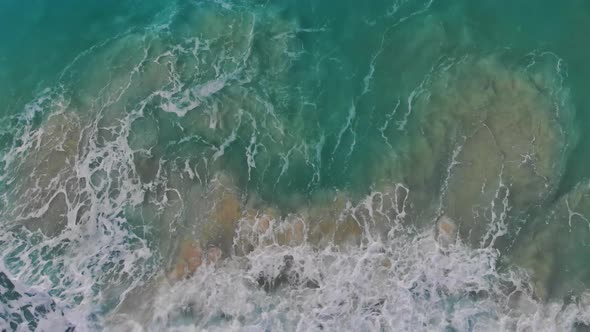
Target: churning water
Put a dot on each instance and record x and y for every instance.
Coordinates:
(249, 165)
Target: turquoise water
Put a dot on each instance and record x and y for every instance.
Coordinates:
(296, 165)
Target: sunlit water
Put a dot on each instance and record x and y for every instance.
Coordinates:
(399, 165)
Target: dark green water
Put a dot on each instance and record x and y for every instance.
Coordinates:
(139, 139)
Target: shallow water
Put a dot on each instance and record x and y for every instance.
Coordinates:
(294, 166)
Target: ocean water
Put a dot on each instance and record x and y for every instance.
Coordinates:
(297, 165)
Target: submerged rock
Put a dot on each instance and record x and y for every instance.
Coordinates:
(500, 138)
(227, 209)
(224, 211)
(445, 231)
(254, 229)
(214, 255)
(555, 246)
(292, 231)
(46, 178)
(331, 218)
(143, 134)
(191, 256)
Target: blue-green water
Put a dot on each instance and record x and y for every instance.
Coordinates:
(295, 165)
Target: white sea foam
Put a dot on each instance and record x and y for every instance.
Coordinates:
(104, 271)
(403, 283)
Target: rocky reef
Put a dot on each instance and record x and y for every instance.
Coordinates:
(554, 246)
(495, 139)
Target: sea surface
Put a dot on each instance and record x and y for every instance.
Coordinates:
(295, 165)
